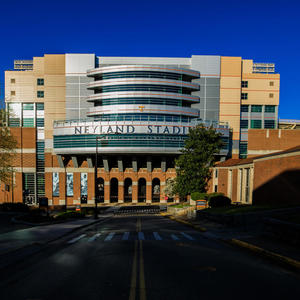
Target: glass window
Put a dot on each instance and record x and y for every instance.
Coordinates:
(244, 84)
(40, 81)
(271, 83)
(256, 124)
(244, 108)
(244, 124)
(40, 94)
(28, 122)
(244, 96)
(13, 93)
(271, 95)
(39, 106)
(28, 106)
(12, 80)
(256, 108)
(270, 108)
(270, 124)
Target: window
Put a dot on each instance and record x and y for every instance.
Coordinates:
(244, 84)
(40, 81)
(243, 149)
(13, 93)
(256, 108)
(270, 124)
(28, 106)
(244, 96)
(40, 94)
(271, 83)
(256, 124)
(270, 108)
(271, 95)
(244, 108)
(39, 106)
(244, 124)
(216, 188)
(12, 80)
(216, 173)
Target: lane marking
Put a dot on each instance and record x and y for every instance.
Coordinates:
(94, 237)
(157, 236)
(142, 274)
(141, 236)
(109, 237)
(187, 236)
(74, 240)
(133, 276)
(125, 236)
(175, 237)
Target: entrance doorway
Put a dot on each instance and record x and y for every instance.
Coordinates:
(128, 190)
(142, 190)
(155, 190)
(100, 192)
(114, 186)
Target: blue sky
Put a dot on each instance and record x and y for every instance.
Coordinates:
(265, 31)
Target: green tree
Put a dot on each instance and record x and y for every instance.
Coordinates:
(8, 145)
(193, 166)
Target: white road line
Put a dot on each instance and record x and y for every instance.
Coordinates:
(141, 236)
(76, 239)
(109, 237)
(187, 236)
(175, 237)
(157, 236)
(125, 236)
(94, 237)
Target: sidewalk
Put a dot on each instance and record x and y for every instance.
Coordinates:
(15, 240)
(253, 240)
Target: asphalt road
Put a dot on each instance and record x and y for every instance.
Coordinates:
(146, 257)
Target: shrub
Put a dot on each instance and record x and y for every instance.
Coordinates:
(69, 215)
(18, 206)
(218, 200)
(199, 196)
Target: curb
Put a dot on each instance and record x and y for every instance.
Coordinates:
(197, 227)
(280, 259)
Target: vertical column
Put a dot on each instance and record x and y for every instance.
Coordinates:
(149, 190)
(91, 188)
(162, 188)
(121, 191)
(134, 190)
(76, 189)
(62, 188)
(106, 188)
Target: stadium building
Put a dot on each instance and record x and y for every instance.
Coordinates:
(134, 113)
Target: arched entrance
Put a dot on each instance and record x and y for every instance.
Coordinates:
(142, 190)
(128, 190)
(155, 190)
(114, 186)
(100, 192)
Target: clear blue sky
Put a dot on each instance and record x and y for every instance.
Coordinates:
(265, 31)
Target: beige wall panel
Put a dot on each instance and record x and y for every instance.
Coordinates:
(261, 76)
(55, 80)
(262, 98)
(230, 82)
(247, 66)
(230, 95)
(38, 65)
(231, 66)
(55, 64)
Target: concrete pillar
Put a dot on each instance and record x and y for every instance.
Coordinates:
(134, 164)
(149, 164)
(105, 164)
(60, 161)
(75, 161)
(120, 164)
(163, 164)
(90, 162)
